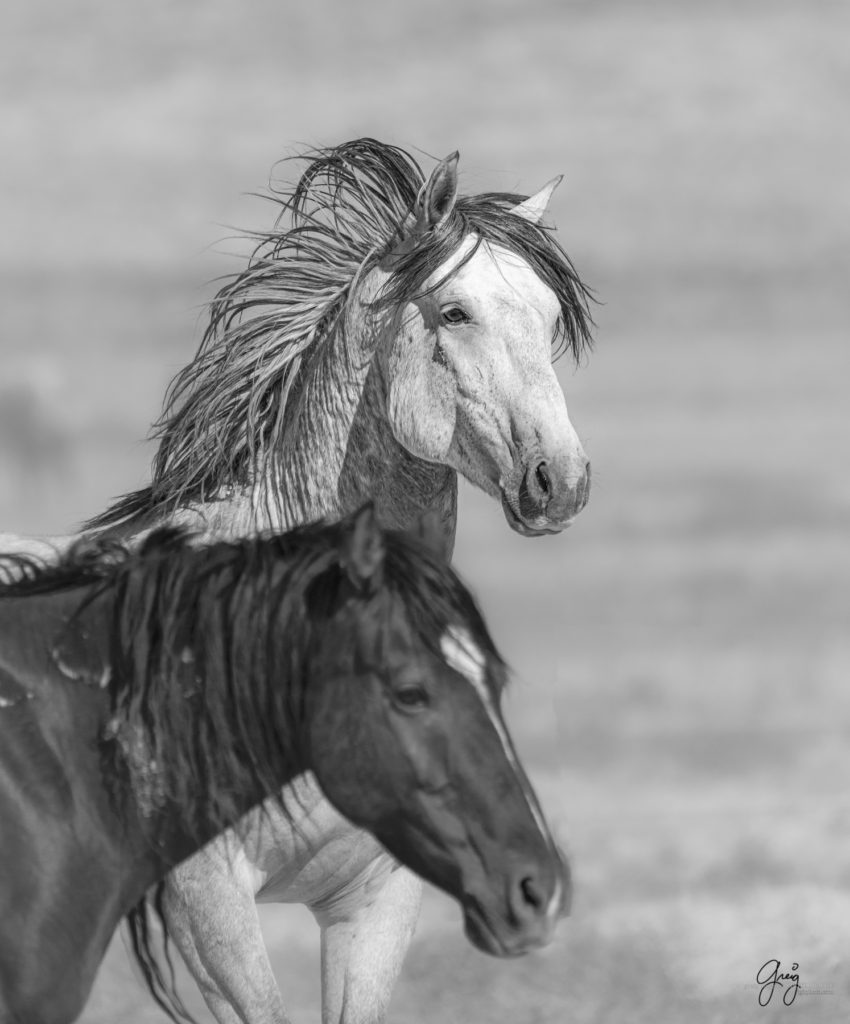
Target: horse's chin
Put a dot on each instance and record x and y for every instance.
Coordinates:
(540, 527)
(485, 938)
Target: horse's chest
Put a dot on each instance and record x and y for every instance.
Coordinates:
(308, 853)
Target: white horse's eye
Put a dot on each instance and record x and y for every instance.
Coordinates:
(454, 315)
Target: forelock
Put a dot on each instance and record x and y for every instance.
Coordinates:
(490, 219)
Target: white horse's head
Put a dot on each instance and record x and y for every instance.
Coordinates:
(383, 310)
(469, 375)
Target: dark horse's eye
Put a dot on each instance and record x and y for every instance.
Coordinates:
(411, 698)
(454, 315)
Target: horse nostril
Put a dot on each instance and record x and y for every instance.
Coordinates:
(535, 491)
(544, 482)
(585, 488)
(531, 893)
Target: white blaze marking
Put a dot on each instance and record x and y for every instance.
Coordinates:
(464, 656)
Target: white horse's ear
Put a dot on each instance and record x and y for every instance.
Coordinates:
(534, 208)
(362, 550)
(437, 196)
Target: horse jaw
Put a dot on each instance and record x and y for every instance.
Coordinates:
(483, 397)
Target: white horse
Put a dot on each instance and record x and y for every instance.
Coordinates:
(392, 335)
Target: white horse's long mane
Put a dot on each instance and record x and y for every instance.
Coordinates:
(229, 410)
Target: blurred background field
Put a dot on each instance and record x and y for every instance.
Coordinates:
(682, 653)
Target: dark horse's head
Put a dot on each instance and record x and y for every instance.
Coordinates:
(344, 649)
(407, 739)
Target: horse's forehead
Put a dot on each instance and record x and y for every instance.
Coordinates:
(498, 275)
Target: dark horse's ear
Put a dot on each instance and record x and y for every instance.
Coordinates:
(430, 533)
(436, 197)
(362, 550)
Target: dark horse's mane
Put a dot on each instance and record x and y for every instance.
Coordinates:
(207, 652)
(236, 404)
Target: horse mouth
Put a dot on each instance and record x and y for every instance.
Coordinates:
(483, 936)
(540, 526)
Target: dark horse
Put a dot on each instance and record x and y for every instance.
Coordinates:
(148, 699)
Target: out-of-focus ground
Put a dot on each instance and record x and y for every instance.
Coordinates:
(682, 653)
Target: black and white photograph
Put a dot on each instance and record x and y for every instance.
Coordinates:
(424, 512)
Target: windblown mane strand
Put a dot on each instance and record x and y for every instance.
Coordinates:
(230, 410)
(233, 404)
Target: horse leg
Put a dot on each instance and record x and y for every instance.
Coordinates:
(363, 949)
(212, 918)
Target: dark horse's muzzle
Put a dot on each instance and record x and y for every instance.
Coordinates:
(535, 899)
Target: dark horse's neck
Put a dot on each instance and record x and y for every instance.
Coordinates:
(168, 676)
(131, 807)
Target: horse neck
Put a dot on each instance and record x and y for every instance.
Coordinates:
(248, 708)
(342, 451)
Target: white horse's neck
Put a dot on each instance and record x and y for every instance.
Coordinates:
(342, 452)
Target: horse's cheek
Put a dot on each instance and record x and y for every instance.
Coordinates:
(344, 739)
(422, 409)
